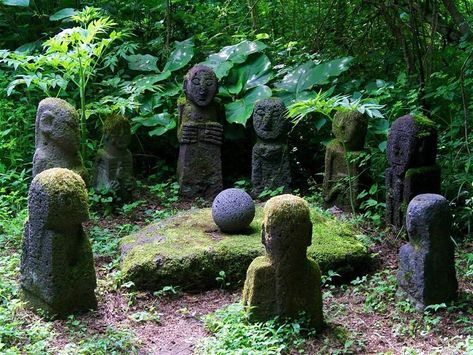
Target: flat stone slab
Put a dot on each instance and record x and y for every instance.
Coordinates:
(189, 251)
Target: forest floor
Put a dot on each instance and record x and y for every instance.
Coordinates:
(363, 316)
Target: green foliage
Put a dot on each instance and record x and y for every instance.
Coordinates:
(232, 332)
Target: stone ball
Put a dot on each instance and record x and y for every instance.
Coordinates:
(233, 210)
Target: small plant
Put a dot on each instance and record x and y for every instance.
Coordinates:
(267, 193)
(222, 280)
(128, 208)
(167, 291)
(146, 316)
(234, 333)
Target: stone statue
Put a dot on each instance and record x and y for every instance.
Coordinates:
(344, 176)
(285, 281)
(114, 163)
(270, 159)
(57, 266)
(411, 151)
(200, 135)
(426, 265)
(57, 138)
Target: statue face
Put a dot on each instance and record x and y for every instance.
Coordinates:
(60, 126)
(268, 119)
(350, 129)
(200, 85)
(119, 137)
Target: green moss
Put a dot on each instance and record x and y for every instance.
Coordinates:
(189, 251)
(284, 208)
(115, 123)
(62, 181)
(181, 100)
(421, 170)
(425, 126)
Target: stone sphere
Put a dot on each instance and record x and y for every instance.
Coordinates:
(233, 210)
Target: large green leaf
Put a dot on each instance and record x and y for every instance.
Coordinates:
(254, 72)
(181, 55)
(162, 122)
(224, 60)
(240, 110)
(308, 74)
(63, 14)
(21, 3)
(142, 62)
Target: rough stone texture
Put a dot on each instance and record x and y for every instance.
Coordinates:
(426, 266)
(189, 251)
(200, 135)
(342, 161)
(284, 282)
(114, 162)
(233, 210)
(57, 267)
(270, 159)
(57, 138)
(411, 151)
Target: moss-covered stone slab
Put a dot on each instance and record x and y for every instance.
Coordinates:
(189, 251)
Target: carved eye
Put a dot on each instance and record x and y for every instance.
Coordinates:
(195, 81)
(209, 82)
(260, 112)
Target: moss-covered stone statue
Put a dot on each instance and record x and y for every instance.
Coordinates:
(200, 135)
(411, 151)
(344, 177)
(426, 264)
(285, 281)
(57, 266)
(57, 138)
(270, 159)
(114, 163)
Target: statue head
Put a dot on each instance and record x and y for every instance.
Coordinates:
(287, 228)
(269, 118)
(117, 132)
(428, 220)
(350, 129)
(59, 198)
(57, 122)
(200, 85)
(412, 142)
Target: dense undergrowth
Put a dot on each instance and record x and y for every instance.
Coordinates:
(383, 58)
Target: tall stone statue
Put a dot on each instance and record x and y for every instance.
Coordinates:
(344, 176)
(411, 151)
(114, 163)
(57, 138)
(200, 135)
(285, 281)
(270, 159)
(426, 264)
(57, 266)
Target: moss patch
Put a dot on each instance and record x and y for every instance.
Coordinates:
(189, 251)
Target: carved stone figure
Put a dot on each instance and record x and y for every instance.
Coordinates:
(57, 138)
(270, 159)
(200, 135)
(426, 264)
(411, 151)
(114, 163)
(57, 266)
(285, 281)
(344, 176)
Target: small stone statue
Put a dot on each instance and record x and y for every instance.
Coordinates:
(426, 267)
(411, 150)
(57, 266)
(200, 136)
(57, 138)
(344, 176)
(285, 281)
(114, 163)
(270, 160)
